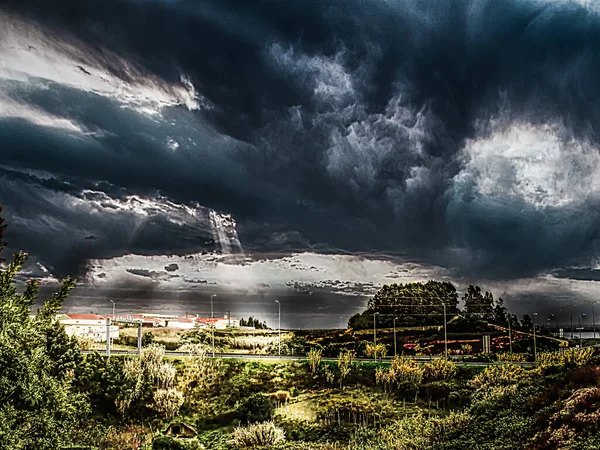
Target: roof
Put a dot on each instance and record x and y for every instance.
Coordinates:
(216, 319)
(182, 320)
(84, 316)
(151, 319)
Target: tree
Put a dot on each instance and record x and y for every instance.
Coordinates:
(314, 359)
(514, 321)
(344, 365)
(147, 339)
(39, 405)
(256, 408)
(478, 305)
(526, 322)
(412, 303)
(500, 314)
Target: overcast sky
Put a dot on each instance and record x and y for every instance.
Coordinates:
(449, 138)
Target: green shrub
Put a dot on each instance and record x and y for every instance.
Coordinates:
(437, 390)
(147, 339)
(407, 389)
(574, 357)
(256, 408)
(168, 443)
(265, 434)
(439, 369)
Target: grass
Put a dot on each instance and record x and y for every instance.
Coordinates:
(159, 333)
(302, 408)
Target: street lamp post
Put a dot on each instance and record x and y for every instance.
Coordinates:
(580, 330)
(395, 352)
(550, 317)
(212, 323)
(534, 339)
(571, 337)
(279, 324)
(375, 336)
(509, 334)
(594, 320)
(112, 321)
(445, 334)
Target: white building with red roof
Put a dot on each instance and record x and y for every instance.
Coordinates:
(90, 326)
(220, 323)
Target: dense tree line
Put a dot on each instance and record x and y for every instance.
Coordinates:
(252, 322)
(415, 304)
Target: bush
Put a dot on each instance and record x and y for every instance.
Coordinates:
(407, 389)
(405, 369)
(574, 357)
(498, 375)
(256, 408)
(437, 390)
(265, 434)
(147, 339)
(167, 402)
(314, 359)
(168, 443)
(439, 369)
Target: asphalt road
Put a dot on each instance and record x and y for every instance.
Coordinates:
(301, 358)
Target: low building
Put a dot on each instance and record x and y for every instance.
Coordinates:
(181, 322)
(147, 321)
(220, 323)
(89, 326)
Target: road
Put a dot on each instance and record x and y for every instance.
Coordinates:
(303, 358)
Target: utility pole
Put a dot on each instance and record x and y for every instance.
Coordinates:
(212, 323)
(375, 336)
(534, 339)
(445, 334)
(395, 341)
(279, 324)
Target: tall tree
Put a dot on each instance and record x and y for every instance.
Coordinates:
(500, 314)
(39, 407)
(477, 304)
(527, 323)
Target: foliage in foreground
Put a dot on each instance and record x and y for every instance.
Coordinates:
(39, 407)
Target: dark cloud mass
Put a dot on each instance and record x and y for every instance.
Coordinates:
(458, 133)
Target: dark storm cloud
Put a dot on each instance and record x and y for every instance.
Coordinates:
(336, 122)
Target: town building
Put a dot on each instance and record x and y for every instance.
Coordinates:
(181, 322)
(90, 326)
(220, 323)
